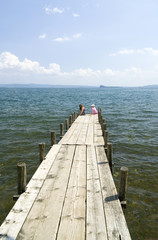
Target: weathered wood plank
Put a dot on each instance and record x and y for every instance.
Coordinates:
(82, 135)
(116, 223)
(98, 138)
(90, 133)
(96, 225)
(44, 218)
(74, 137)
(72, 224)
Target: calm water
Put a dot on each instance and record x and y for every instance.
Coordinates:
(27, 116)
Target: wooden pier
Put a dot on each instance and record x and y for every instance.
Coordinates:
(72, 195)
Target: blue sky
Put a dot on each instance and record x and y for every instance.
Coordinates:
(85, 42)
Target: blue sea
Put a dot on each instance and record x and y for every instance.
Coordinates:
(28, 115)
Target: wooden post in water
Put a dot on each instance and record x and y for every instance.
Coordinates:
(74, 116)
(106, 139)
(61, 130)
(42, 151)
(110, 156)
(21, 169)
(53, 138)
(21, 179)
(103, 126)
(67, 124)
(70, 120)
(123, 185)
(101, 120)
(99, 115)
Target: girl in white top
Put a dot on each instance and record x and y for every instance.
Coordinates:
(94, 110)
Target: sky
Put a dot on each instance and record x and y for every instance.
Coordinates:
(84, 42)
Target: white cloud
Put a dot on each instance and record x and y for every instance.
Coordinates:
(8, 60)
(86, 72)
(11, 62)
(109, 72)
(62, 39)
(143, 51)
(42, 36)
(133, 69)
(50, 10)
(75, 15)
(127, 51)
(65, 39)
(151, 51)
(57, 10)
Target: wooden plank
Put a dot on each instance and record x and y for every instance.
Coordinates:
(74, 137)
(16, 217)
(90, 133)
(98, 138)
(82, 135)
(96, 226)
(116, 223)
(44, 217)
(72, 224)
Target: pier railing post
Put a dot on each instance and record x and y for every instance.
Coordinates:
(99, 115)
(21, 180)
(74, 116)
(106, 139)
(103, 126)
(42, 151)
(110, 156)
(123, 185)
(101, 119)
(70, 120)
(67, 124)
(61, 130)
(21, 169)
(53, 138)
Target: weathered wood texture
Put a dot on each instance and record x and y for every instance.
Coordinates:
(72, 194)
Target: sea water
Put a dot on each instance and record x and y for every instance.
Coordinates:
(27, 117)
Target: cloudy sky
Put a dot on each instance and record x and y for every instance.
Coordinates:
(84, 42)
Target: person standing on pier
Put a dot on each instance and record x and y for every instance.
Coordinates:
(81, 110)
(94, 110)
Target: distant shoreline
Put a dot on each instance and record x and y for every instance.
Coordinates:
(68, 86)
(146, 86)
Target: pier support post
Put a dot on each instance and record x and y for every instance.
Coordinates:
(110, 156)
(70, 120)
(106, 139)
(101, 120)
(67, 124)
(103, 126)
(61, 130)
(72, 117)
(99, 115)
(21, 169)
(53, 138)
(123, 185)
(42, 151)
(21, 172)
(74, 114)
